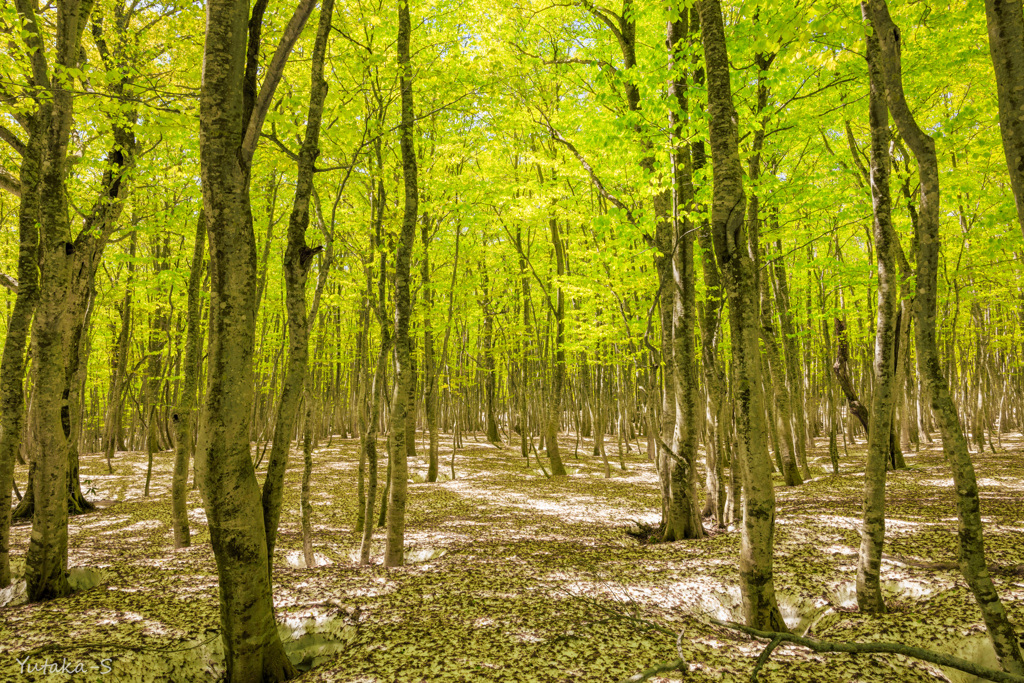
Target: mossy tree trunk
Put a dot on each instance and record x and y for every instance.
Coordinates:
(231, 117)
(757, 583)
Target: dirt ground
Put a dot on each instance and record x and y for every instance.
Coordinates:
(517, 577)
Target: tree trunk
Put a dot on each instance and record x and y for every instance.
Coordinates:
(971, 548)
(756, 574)
(1006, 46)
(231, 116)
(394, 555)
(489, 378)
(684, 520)
(869, 590)
(115, 397)
(554, 408)
(298, 257)
(794, 376)
(429, 362)
(46, 560)
(12, 370)
(184, 418)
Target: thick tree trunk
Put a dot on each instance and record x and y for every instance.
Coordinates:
(394, 555)
(727, 220)
(46, 560)
(971, 548)
(869, 590)
(714, 372)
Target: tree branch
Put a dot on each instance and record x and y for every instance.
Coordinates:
(274, 73)
(10, 183)
(9, 282)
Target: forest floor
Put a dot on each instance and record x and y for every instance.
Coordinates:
(521, 578)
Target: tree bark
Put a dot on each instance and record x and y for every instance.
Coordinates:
(841, 369)
(757, 583)
(554, 408)
(46, 560)
(429, 361)
(971, 549)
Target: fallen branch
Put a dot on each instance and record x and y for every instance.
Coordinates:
(677, 665)
(870, 648)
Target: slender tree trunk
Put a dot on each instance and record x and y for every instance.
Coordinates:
(298, 258)
(869, 590)
(554, 408)
(488, 344)
(757, 583)
(12, 370)
(684, 520)
(429, 361)
(305, 504)
(394, 555)
(971, 548)
(794, 376)
(184, 418)
(115, 398)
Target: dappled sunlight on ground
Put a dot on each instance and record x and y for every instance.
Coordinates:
(515, 576)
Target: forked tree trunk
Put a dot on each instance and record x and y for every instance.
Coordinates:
(971, 547)
(757, 582)
(231, 117)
